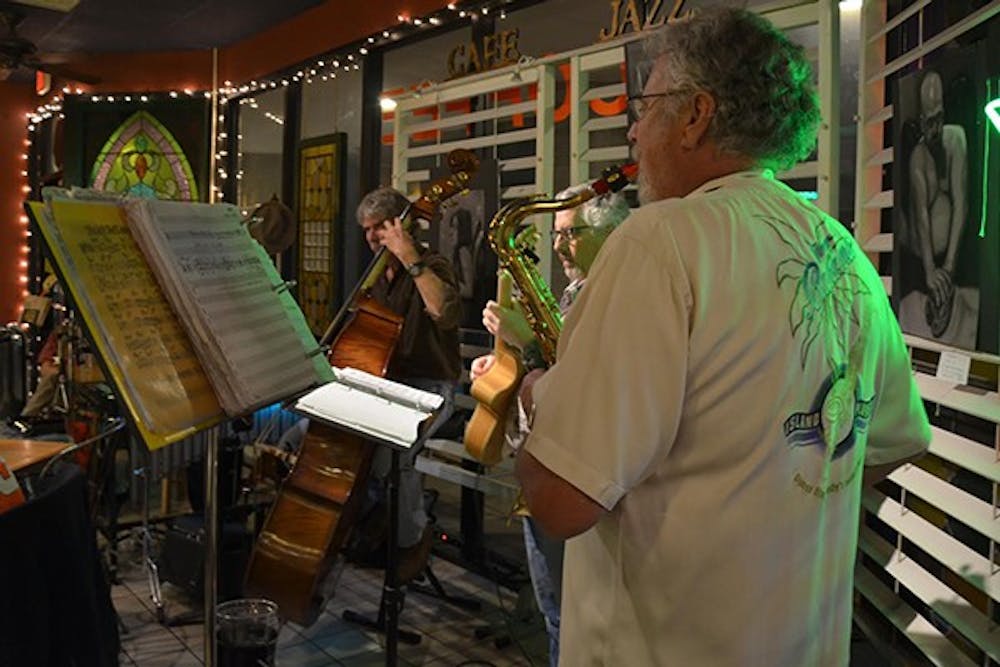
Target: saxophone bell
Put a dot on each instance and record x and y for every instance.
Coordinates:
(540, 306)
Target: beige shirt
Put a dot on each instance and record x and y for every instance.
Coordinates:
(730, 368)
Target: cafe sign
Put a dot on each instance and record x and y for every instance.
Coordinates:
(491, 52)
(639, 15)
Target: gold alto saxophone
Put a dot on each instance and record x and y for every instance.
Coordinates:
(539, 305)
(496, 390)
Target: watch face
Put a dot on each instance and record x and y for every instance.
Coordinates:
(415, 269)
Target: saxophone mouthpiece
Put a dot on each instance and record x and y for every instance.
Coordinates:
(615, 178)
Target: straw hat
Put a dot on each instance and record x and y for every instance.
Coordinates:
(273, 225)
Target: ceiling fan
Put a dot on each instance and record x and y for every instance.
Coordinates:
(18, 52)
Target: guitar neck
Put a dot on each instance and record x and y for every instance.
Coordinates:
(505, 289)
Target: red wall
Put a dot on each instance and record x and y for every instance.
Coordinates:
(15, 101)
(147, 72)
(310, 34)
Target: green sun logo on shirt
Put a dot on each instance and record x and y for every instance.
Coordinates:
(826, 287)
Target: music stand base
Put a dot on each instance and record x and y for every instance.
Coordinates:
(378, 625)
(436, 590)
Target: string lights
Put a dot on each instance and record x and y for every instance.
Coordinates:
(25, 240)
(326, 67)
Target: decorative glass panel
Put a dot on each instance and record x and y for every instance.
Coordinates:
(143, 159)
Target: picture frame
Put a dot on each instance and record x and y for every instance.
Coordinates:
(320, 211)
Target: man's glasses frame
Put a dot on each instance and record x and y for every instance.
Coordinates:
(638, 105)
(569, 233)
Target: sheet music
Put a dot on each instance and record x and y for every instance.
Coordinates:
(148, 354)
(381, 408)
(254, 343)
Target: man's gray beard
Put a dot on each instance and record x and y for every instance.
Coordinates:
(646, 195)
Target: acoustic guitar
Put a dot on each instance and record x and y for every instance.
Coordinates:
(494, 391)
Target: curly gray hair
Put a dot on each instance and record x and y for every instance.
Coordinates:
(382, 204)
(762, 82)
(602, 213)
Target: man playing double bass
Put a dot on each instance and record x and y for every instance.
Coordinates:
(421, 286)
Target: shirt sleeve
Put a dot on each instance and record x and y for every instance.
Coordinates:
(899, 427)
(610, 407)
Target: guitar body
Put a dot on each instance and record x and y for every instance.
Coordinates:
(495, 392)
(317, 506)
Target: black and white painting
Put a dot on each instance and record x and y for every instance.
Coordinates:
(462, 238)
(938, 283)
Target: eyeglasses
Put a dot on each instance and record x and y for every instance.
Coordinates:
(638, 105)
(568, 234)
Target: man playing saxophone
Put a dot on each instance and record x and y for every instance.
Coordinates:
(730, 375)
(577, 237)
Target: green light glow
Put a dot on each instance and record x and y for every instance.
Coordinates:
(993, 113)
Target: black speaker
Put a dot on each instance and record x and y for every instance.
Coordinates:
(182, 559)
(13, 360)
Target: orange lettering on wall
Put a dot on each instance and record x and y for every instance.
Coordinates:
(561, 112)
(426, 135)
(611, 107)
(513, 96)
(461, 107)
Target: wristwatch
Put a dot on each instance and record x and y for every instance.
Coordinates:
(416, 268)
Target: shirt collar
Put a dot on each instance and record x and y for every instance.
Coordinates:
(730, 179)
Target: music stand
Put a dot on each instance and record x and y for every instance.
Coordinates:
(392, 596)
(342, 418)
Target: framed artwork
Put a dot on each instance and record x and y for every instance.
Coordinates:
(321, 218)
(155, 149)
(142, 158)
(461, 236)
(941, 272)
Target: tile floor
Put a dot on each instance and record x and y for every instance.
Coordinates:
(448, 632)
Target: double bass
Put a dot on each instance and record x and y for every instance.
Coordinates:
(317, 506)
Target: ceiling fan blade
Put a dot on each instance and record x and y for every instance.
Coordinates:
(63, 72)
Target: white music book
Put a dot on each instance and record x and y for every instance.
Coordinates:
(248, 331)
(380, 408)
